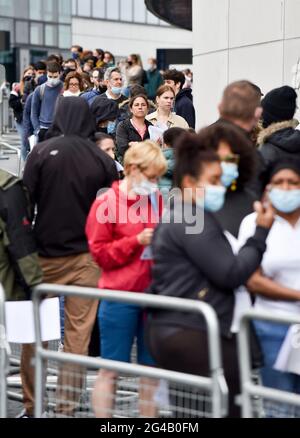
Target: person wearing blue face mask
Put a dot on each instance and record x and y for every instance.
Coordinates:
(114, 82)
(276, 285)
(238, 161)
(197, 262)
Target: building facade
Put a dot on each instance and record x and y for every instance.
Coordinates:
(124, 27)
(239, 39)
(37, 28)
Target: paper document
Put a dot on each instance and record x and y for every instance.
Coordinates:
(156, 134)
(288, 359)
(242, 296)
(20, 321)
(33, 140)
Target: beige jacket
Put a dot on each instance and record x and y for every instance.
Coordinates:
(174, 121)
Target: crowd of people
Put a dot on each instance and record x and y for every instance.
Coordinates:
(116, 154)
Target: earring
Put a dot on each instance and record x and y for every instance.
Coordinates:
(233, 187)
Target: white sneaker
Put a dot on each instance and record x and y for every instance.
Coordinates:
(24, 414)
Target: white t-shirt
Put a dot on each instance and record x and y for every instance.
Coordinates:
(281, 261)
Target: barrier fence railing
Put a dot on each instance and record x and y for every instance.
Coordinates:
(6, 150)
(4, 356)
(215, 385)
(278, 403)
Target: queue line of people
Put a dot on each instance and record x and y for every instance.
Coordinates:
(252, 194)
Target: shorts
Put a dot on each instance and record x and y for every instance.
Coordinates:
(119, 325)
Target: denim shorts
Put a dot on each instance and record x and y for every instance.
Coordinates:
(120, 325)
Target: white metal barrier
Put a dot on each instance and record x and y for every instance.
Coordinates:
(215, 385)
(254, 392)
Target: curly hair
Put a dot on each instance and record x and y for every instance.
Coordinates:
(74, 75)
(213, 135)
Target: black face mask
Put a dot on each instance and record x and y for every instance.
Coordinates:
(102, 130)
(69, 70)
(130, 63)
(28, 78)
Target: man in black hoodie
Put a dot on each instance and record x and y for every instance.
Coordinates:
(184, 99)
(63, 176)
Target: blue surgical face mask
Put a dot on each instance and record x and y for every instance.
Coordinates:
(285, 201)
(145, 188)
(230, 173)
(53, 82)
(111, 128)
(116, 90)
(214, 198)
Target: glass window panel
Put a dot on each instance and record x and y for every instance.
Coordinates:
(112, 12)
(74, 7)
(6, 8)
(126, 10)
(64, 40)
(7, 25)
(99, 8)
(50, 35)
(84, 8)
(22, 32)
(64, 11)
(139, 12)
(21, 8)
(36, 34)
(35, 9)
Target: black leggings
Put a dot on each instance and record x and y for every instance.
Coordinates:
(186, 351)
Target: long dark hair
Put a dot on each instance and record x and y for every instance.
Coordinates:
(191, 155)
(213, 135)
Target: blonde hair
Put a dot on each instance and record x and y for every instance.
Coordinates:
(144, 155)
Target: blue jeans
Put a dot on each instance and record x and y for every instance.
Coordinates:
(271, 337)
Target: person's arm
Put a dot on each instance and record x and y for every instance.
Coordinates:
(15, 103)
(122, 140)
(108, 252)
(212, 253)
(21, 245)
(187, 111)
(35, 110)
(261, 285)
(31, 174)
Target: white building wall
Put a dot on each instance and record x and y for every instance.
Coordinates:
(123, 39)
(258, 40)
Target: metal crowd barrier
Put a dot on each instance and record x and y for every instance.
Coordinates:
(215, 385)
(256, 398)
(6, 150)
(4, 357)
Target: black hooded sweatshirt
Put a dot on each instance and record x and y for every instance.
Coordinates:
(63, 176)
(184, 106)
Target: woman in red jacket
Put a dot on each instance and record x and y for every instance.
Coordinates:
(119, 230)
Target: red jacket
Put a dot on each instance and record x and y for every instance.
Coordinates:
(114, 244)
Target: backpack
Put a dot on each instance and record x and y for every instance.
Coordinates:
(42, 91)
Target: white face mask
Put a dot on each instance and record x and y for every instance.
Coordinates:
(68, 93)
(53, 81)
(145, 188)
